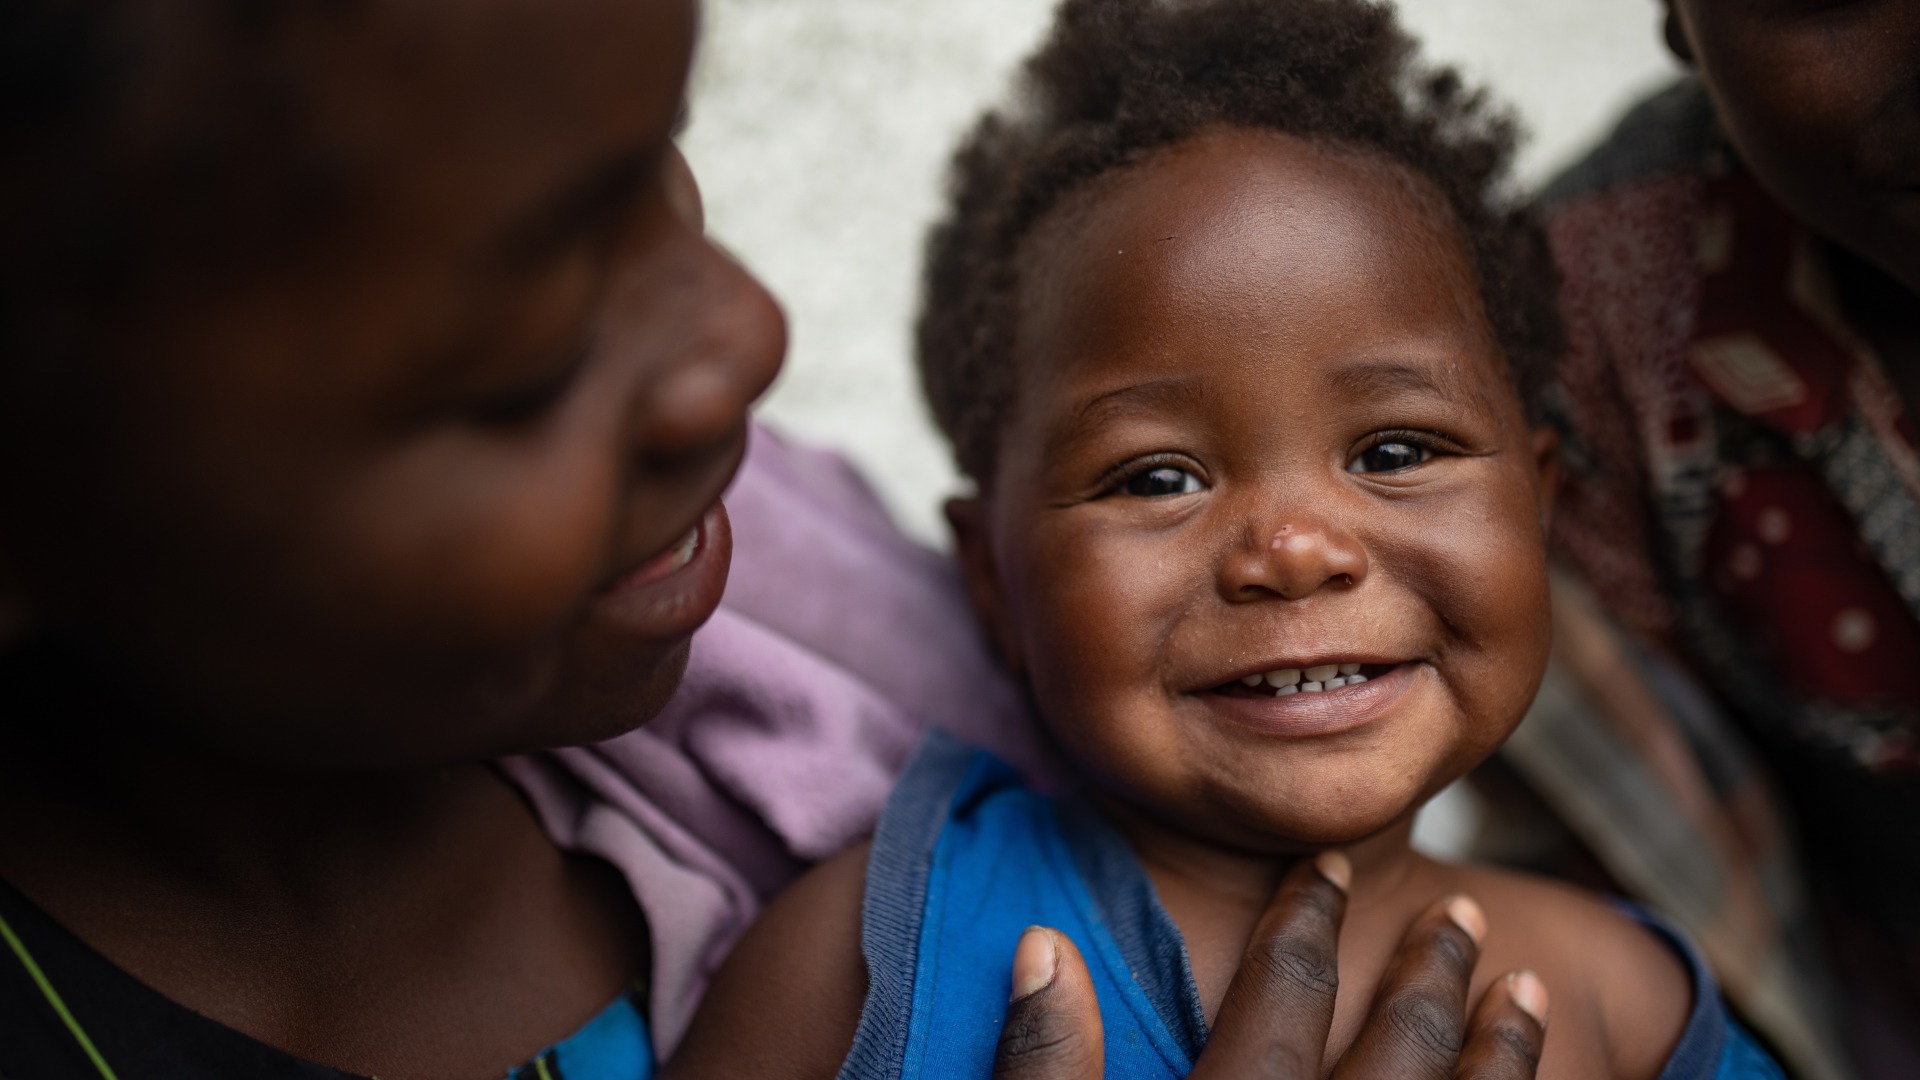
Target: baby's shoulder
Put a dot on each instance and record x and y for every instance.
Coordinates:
(787, 1000)
(1621, 993)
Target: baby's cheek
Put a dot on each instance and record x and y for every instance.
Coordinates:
(1499, 603)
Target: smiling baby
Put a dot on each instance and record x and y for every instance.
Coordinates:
(1235, 334)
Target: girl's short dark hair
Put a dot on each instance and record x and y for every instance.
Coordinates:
(1117, 79)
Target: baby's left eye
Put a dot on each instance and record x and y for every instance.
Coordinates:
(1164, 480)
(1391, 456)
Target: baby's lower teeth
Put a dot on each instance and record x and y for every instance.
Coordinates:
(1310, 687)
(1285, 690)
(1336, 682)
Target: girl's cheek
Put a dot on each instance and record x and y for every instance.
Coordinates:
(482, 545)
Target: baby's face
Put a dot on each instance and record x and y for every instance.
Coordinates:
(445, 485)
(1822, 99)
(1264, 444)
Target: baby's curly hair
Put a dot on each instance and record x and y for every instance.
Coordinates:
(1117, 79)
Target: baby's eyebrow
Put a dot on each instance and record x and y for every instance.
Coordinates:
(1381, 378)
(1156, 396)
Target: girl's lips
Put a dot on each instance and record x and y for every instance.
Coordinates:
(1326, 712)
(665, 563)
(671, 594)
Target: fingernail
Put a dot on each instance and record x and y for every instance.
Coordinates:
(1528, 992)
(1033, 962)
(1467, 916)
(1335, 867)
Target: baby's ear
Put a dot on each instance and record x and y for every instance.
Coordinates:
(1546, 462)
(973, 546)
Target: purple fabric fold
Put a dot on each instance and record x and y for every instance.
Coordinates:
(838, 644)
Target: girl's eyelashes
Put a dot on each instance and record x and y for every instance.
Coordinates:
(520, 405)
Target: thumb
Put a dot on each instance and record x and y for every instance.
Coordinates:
(1053, 1022)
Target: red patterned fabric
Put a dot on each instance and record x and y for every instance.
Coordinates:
(1741, 496)
(1712, 386)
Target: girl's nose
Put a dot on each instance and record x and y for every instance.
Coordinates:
(1292, 558)
(735, 337)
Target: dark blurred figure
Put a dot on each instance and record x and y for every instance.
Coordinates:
(1742, 287)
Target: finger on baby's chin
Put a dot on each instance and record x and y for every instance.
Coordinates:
(1275, 1017)
(1052, 1031)
(1416, 1025)
(1508, 1032)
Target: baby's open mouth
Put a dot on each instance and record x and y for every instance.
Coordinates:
(1308, 680)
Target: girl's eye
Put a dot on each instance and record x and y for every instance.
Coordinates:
(1389, 457)
(1165, 480)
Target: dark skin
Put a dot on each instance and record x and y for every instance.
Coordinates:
(408, 497)
(390, 500)
(1822, 101)
(1262, 424)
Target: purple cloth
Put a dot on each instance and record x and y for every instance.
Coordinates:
(839, 642)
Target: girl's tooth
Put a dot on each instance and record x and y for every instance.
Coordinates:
(1285, 690)
(1311, 686)
(1349, 669)
(1336, 682)
(683, 554)
(1283, 677)
(1322, 672)
(1251, 680)
(1356, 680)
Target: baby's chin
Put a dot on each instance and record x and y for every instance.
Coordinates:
(1290, 813)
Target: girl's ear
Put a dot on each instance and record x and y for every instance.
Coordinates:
(973, 545)
(1676, 33)
(1546, 463)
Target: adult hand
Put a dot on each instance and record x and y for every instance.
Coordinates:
(1274, 1021)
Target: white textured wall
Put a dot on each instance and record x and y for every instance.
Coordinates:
(820, 130)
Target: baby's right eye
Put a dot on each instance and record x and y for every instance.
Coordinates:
(1162, 480)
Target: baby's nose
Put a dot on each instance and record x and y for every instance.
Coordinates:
(1300, 556)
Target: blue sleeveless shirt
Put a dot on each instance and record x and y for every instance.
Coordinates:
(966, 857)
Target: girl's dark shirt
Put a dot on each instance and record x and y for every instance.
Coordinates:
(139, 1033)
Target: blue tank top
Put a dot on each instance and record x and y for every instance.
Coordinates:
(966, 857)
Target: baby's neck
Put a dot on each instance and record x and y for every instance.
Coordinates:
(1216, 894)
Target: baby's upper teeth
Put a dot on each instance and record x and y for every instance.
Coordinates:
(1253, 679)
(1349, 669)
(1322, 672)
(1283, 677)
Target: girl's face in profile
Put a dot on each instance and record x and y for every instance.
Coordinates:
(1264, 444)
(445, 485)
